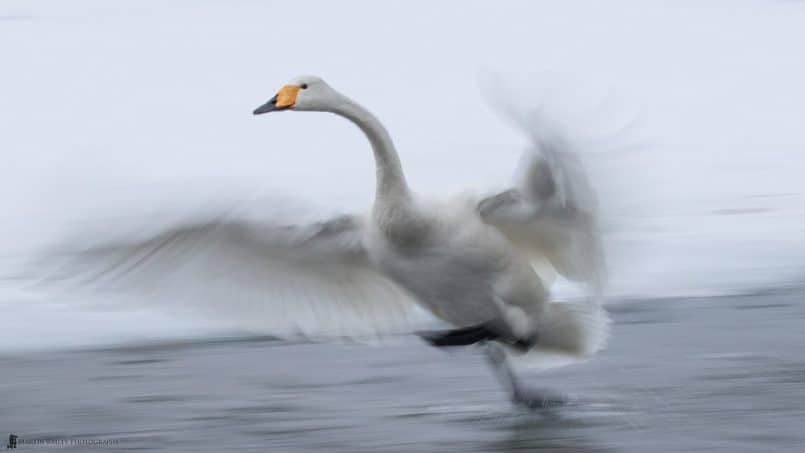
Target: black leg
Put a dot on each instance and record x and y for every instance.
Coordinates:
(487, 334)
(488, 331)
(460, 337)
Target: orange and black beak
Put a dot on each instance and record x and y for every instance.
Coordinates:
(285, 99)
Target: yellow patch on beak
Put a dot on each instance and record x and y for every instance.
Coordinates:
(286, 96)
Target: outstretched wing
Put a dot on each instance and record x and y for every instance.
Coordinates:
(312, 280)
(550, 213)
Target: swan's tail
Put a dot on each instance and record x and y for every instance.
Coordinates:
(575, 328)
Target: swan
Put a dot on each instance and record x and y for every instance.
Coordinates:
(470, 263)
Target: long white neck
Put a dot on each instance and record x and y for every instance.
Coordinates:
(390, 184)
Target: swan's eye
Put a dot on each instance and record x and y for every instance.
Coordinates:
(303, 86)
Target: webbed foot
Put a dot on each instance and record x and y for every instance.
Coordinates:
(537, 398)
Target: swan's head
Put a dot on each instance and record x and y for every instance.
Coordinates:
(306, 93)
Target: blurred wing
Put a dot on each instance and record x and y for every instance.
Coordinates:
(551, 212)
(312, 280)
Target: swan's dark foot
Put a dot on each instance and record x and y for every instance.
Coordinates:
(538, 399)
(459, 337)
(485, 332)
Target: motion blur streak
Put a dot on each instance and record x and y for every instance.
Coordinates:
(118, 119)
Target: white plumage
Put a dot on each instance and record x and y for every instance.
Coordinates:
(466, 262)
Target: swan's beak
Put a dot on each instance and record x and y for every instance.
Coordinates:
(285, 99)
(269, 106)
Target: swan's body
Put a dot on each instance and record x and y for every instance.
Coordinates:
(469, 264)
(461, 269)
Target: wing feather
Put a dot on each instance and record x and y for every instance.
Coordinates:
(311, 279)
(550, 213)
